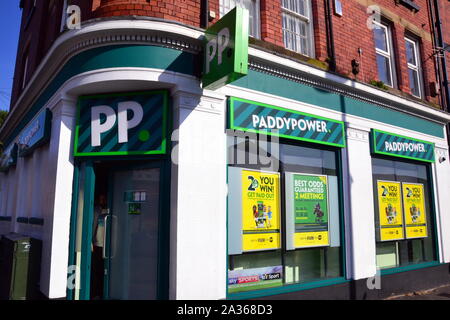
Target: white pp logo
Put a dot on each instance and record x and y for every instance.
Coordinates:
(217, 46)
(123, 124)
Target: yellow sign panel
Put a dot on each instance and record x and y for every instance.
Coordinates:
(311, 239)
(390, 210)
(414, 209)
(260, 211)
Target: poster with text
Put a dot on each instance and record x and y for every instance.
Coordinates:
(310, 210)
(255, 278)
(414, 210)
(390, 210)
(260, 211)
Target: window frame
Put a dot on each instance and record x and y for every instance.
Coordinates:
(298, 286)
(308, 20)
(432, 214)
(257, 16)
(416, 68)
(387, 54)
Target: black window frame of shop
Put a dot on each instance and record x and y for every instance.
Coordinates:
(406, 244)
(308, 284)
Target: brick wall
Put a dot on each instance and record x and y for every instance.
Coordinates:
(350, 31)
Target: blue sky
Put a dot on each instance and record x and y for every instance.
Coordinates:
(10, 15)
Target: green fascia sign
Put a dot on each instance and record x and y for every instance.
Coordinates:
(9, 157)
(251, 116)
(226, 49)
(35, 134)
(390, 144)
(122, 124)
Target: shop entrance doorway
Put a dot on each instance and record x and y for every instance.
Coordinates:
(121, 218)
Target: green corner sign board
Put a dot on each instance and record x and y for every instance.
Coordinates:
(390, 144)
(121, 124)
(250, 116)
(35, 134)
(226, 49)
(9, 157)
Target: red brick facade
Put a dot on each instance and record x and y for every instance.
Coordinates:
(353, 40)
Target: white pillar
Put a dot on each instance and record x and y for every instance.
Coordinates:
(359, 208)
(198, 210)
(441, 179)
(58, 200)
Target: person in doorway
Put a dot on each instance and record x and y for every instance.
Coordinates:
(98, 236)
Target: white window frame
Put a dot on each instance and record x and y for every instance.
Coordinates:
(416, 68)
(63, 17)
(387, 54)
(310, 52)
(25, 71)
(226, 5)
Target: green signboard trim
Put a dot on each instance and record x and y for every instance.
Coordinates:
(155, 57)
(113, 56)
(124, 153)
(233, 126)
(274, 85)
(375, 151)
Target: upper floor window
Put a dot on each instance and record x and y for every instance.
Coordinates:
(25, 69)
(253, 8)
(414, 69)
(384, 53)
(297, 26)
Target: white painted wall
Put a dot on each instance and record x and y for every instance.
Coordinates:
(199, 235)
(441, 178)
(359, 206)
(58, 201)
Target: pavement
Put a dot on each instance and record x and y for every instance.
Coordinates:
(439, 293)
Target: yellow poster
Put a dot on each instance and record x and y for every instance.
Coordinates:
(390, 210)
(414, 209)
(260, 211)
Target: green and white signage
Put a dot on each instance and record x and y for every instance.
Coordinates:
(390, 144)
(251, 116)
(122, 124)
(9, 157)
(226, 49)
(36, 133)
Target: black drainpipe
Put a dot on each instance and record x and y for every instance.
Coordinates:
(330, 38)
(204, 15)
(440, 43)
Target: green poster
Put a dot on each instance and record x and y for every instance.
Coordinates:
(310, 210)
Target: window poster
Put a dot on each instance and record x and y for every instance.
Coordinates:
(414, 209)
(390, 210)
(311, 212)
(255, 278)
(260, 210)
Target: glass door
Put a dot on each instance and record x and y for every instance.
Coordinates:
(131, 246)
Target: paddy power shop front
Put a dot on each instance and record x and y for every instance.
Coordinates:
(118, 220)
(285, 217)
(404, 217)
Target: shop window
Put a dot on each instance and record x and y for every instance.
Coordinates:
(297, 26)
(284, 221)
(253, 8)
(414, 68)
(403, 213)
(384, 53)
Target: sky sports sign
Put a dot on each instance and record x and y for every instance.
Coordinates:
(251, 116)
(121, 124)
(399, 146)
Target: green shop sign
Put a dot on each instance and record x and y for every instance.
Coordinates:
(400, 146)
(121, 124)
(9, 157)
(226, 49)
(250, 116)
(35, 134)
